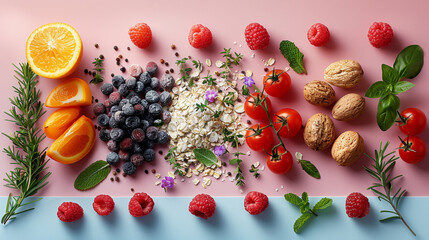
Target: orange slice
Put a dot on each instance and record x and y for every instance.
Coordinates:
(75, 143)
(60, 120)
(71, 93)
(54, 50)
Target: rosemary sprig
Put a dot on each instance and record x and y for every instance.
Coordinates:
(27, 177)
(382, 167)
(97, 69)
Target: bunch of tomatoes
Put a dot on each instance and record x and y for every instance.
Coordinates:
(412, 149)
(286, 123)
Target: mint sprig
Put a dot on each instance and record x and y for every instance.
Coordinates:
(305, 209)
(292, 54)
(92, 175)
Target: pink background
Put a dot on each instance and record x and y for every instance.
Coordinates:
(107, 23)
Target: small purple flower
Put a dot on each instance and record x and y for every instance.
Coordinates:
(167, 182)
(211, 95)
(248, 81)
(219, 150)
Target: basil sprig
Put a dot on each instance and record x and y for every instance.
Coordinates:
(408, 64)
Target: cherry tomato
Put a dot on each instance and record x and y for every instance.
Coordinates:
(293, 125)
(277, 83)
(412, 149)
(263, 141)
(280, 162)
(413, 121)
(257, 112)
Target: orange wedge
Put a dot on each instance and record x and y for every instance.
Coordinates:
(71, 93)
(75, 143)
(59, 121)
(54, 50)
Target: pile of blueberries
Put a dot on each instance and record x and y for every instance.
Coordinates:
(130, 117)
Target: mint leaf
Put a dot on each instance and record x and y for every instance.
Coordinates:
(301, 221)
(309, 168)
(205, 156)
(294, 199)
(92, 175)
(386, 111)
(409, 62)
(322, 204)
(293, 56)
(402, 86)
(378, 89)
(389, 74)
(304, 207)
(304, 197)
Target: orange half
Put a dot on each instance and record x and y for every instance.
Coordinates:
(71, 93)
(75, 143)
(58, 122)
(54, 50)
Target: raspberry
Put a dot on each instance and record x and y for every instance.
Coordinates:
(357, 205)
(69, 212)
(103, 204)
(200, 36)
(380, 34)
(140, 35)
(255, 202)
(140, 205)
(318, 35)
(203, 206)
(256, 36)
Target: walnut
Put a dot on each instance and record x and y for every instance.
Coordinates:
(347, 148)
(349, 107)
(319, 132)
(344, 73)
(319, 93)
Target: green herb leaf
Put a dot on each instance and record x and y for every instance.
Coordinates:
(293, 56)
(301, 221)
(402, 86)
(205, 156)
(294, 199)
(386, 111)
(304, 196)
(377, 90)
(389, 74)
(409, 62)
(92, 175)
(304, 207)
(309, 168)
(322, 204)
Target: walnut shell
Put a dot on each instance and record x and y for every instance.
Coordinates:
(347, 148)
(319, 93)
(349, 107)
(319, 132)
(344, 73)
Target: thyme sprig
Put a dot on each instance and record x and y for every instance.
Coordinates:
(232, 138)
(29, 176)
(185, 71)
(229, 61)
(98, 62)
(382, 167)
(171, 158)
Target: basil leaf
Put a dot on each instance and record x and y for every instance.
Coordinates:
(300, 221)
(386, 111)
(294, 199)
(322, 204)
(409, 62)
(402, 86)
(309, 168)
(389, 74)
(92, 175)
(378, 89)
(205, 156)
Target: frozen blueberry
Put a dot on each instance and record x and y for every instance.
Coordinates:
(137, 135)
(112, 158)
(114, 109)
(137, 159)
(166, 116)
(107, 103)
(119, 117)
(131, 94)
(154, 83)
(155, 109)
(145, 104)
(162, 137)
(98, 109)
(131, 83)
(107, 88)
(139, 87)
(139, 110)
(148, 118)
(129, 168)
(152, 133)
(123, 102)
(103, 120)
(117, 134)
(112, 145)
(126, 144)
(132, 122)
(149, 155)
(113, 123)
(124, 156)
(128, 109)
(167, 82)
(145, 78)
(165, 99)
(137, 148)
(114, 98)
(123, 90)
(149, 144)
(152, 96)
(152, 68)
(146, 90)
(117, 81)
(104, 135)
(144, 124)
(135, 100)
